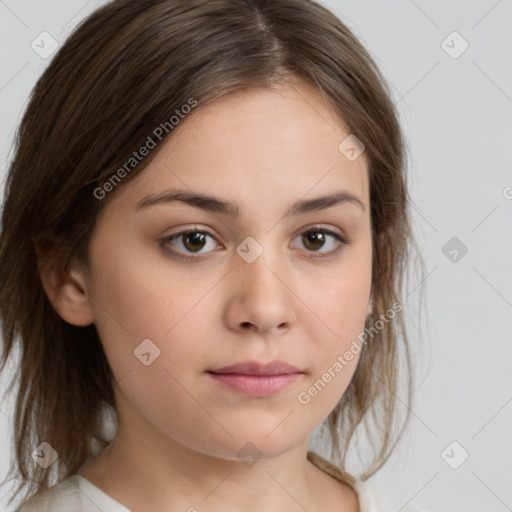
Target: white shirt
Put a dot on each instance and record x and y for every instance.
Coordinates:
(77, 494)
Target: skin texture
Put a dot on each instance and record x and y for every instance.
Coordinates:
(179, 431)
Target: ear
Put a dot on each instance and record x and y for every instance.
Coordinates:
(65, 287)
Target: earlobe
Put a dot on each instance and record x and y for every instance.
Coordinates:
(66, 290)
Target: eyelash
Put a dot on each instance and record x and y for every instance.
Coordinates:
(315, 229)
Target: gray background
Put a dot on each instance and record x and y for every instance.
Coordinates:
(457, 114)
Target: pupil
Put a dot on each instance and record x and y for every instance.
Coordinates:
(195, 238)
(315, 237)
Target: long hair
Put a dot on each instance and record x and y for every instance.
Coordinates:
(123, 72)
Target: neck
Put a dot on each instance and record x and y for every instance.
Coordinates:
(145, 469)
(141, 476)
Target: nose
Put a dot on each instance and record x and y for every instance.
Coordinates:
(260, 297)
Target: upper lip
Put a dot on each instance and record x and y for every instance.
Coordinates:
(255, 368)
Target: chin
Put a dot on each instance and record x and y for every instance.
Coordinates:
(254, 444)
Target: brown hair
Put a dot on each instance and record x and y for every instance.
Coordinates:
(122, 72)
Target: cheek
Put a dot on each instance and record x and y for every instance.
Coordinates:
(335, 355)
(335, 320)
(129, 291)
(338, 303)
(143, 307)
(133, 302)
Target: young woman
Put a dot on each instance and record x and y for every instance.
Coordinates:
(204, 234)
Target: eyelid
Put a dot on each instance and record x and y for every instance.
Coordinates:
(320, 227)
(342, 239)
(183, 256)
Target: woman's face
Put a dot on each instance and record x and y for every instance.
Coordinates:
(257, 288)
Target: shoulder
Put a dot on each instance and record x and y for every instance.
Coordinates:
(75, 494)
(374, 498)
(371, 496)
(62, 497)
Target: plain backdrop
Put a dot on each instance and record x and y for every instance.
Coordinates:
(450, 70)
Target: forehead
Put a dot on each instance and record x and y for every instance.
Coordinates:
(255, 143)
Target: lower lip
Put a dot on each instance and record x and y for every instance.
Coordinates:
(256, 385)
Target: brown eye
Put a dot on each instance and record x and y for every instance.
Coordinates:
(193, 240)
(186, 244)
(317, 238)
(313, 240)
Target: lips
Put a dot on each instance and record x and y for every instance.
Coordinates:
(254, 368)
(256, 379)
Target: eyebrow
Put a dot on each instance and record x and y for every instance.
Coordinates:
(228, 208)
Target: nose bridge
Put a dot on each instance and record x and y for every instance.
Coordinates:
(261, 296)
(260, 274)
